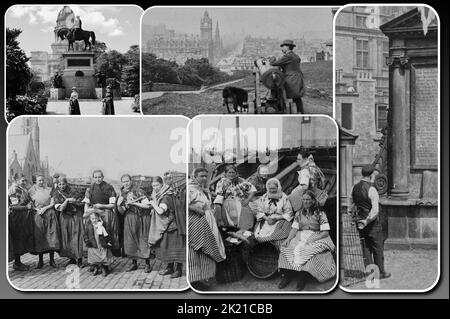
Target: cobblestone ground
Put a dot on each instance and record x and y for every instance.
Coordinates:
(250, 283)
(91, 107)
(62, 278)
(415, 269)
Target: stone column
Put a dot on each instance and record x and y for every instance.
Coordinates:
(398, 123)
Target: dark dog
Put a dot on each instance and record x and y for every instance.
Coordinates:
(237, 97)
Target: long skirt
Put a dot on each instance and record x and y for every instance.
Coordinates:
(135, 235)
(172, 248)
(320, 264)
(99, 256)
(21, 228)
(71, 235)
(276, 232)
(201, 266)
(111, 224)
(46, 232)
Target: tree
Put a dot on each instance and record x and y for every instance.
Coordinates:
(111, 63)
(158, 70)
(130, 73)
(18, 73)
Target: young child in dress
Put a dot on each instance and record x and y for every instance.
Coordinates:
(99, 245)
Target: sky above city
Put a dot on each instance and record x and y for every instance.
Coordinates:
(313, 23)
(140, 145)
(117, 26)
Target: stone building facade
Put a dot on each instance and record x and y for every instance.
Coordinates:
(170, 45)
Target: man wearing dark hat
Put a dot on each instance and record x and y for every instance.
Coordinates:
(290, 63)
(364, 204)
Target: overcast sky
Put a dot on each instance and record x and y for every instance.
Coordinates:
(140, 145)
(117, 26)
(258, 22)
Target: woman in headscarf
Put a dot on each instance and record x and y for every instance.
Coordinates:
(20, 221)
(164, 237)
(69, 203)
(206, 247)
(46, 224)
(134, 204)
(100, 197)
(233, 194)
(273, 214)
(308, 249)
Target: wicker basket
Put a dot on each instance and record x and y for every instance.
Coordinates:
(262, 260)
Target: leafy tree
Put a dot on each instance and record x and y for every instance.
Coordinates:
(18, 73)
(111, 63)
(130, 72)
(158, 70)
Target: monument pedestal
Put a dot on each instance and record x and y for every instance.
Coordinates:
(57, 94)
(79, 72)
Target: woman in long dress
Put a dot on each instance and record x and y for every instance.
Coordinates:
(134, 204)
(309, 248)
(20, 221)
(273, 214)
(46, 224)
(206, 247)
(233, 197)
(164, 236)
(74, 106)
(69, 203)
(101, 198)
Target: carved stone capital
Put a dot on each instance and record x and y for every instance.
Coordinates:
(398, 62)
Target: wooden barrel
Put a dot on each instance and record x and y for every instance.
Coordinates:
(262, 261)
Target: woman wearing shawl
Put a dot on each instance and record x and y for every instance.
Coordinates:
(108, 102)
(20, 221)
(233, 197)
(69, 203)
(46, 224)
(164, 237)
(101, 198)
(308, 249)
(206, 247)
(273, 214)
(134, 204)
(74, 106)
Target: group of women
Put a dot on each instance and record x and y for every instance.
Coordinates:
(60, 219)
(107, 102)
(300, 231)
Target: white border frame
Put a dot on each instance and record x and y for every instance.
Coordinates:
(230, 7)
(143, 118)
(281, 292)
(57, 5)
(438, 276)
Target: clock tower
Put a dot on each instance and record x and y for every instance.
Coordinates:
(206, 31)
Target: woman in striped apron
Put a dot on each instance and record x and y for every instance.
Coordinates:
(308, 248)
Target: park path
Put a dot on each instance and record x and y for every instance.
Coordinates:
(91, 107)
(118, 279)
(155, 94)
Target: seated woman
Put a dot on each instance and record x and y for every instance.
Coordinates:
(233, 197)
(273, 214)
(46, 224)
(308, 249)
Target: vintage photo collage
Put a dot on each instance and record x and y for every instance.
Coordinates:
(223, 149)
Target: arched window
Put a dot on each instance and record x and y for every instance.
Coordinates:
(79, 73)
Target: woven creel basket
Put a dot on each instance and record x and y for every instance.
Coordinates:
(262, 260)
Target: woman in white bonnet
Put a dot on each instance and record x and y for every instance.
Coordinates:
(74, 106)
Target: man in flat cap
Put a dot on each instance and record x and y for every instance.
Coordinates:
(290, 63)
(363, 203)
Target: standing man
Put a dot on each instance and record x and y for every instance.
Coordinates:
(290, 63)
(363, 203)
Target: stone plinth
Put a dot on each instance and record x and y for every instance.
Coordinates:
(57, 94)
(79, 72)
